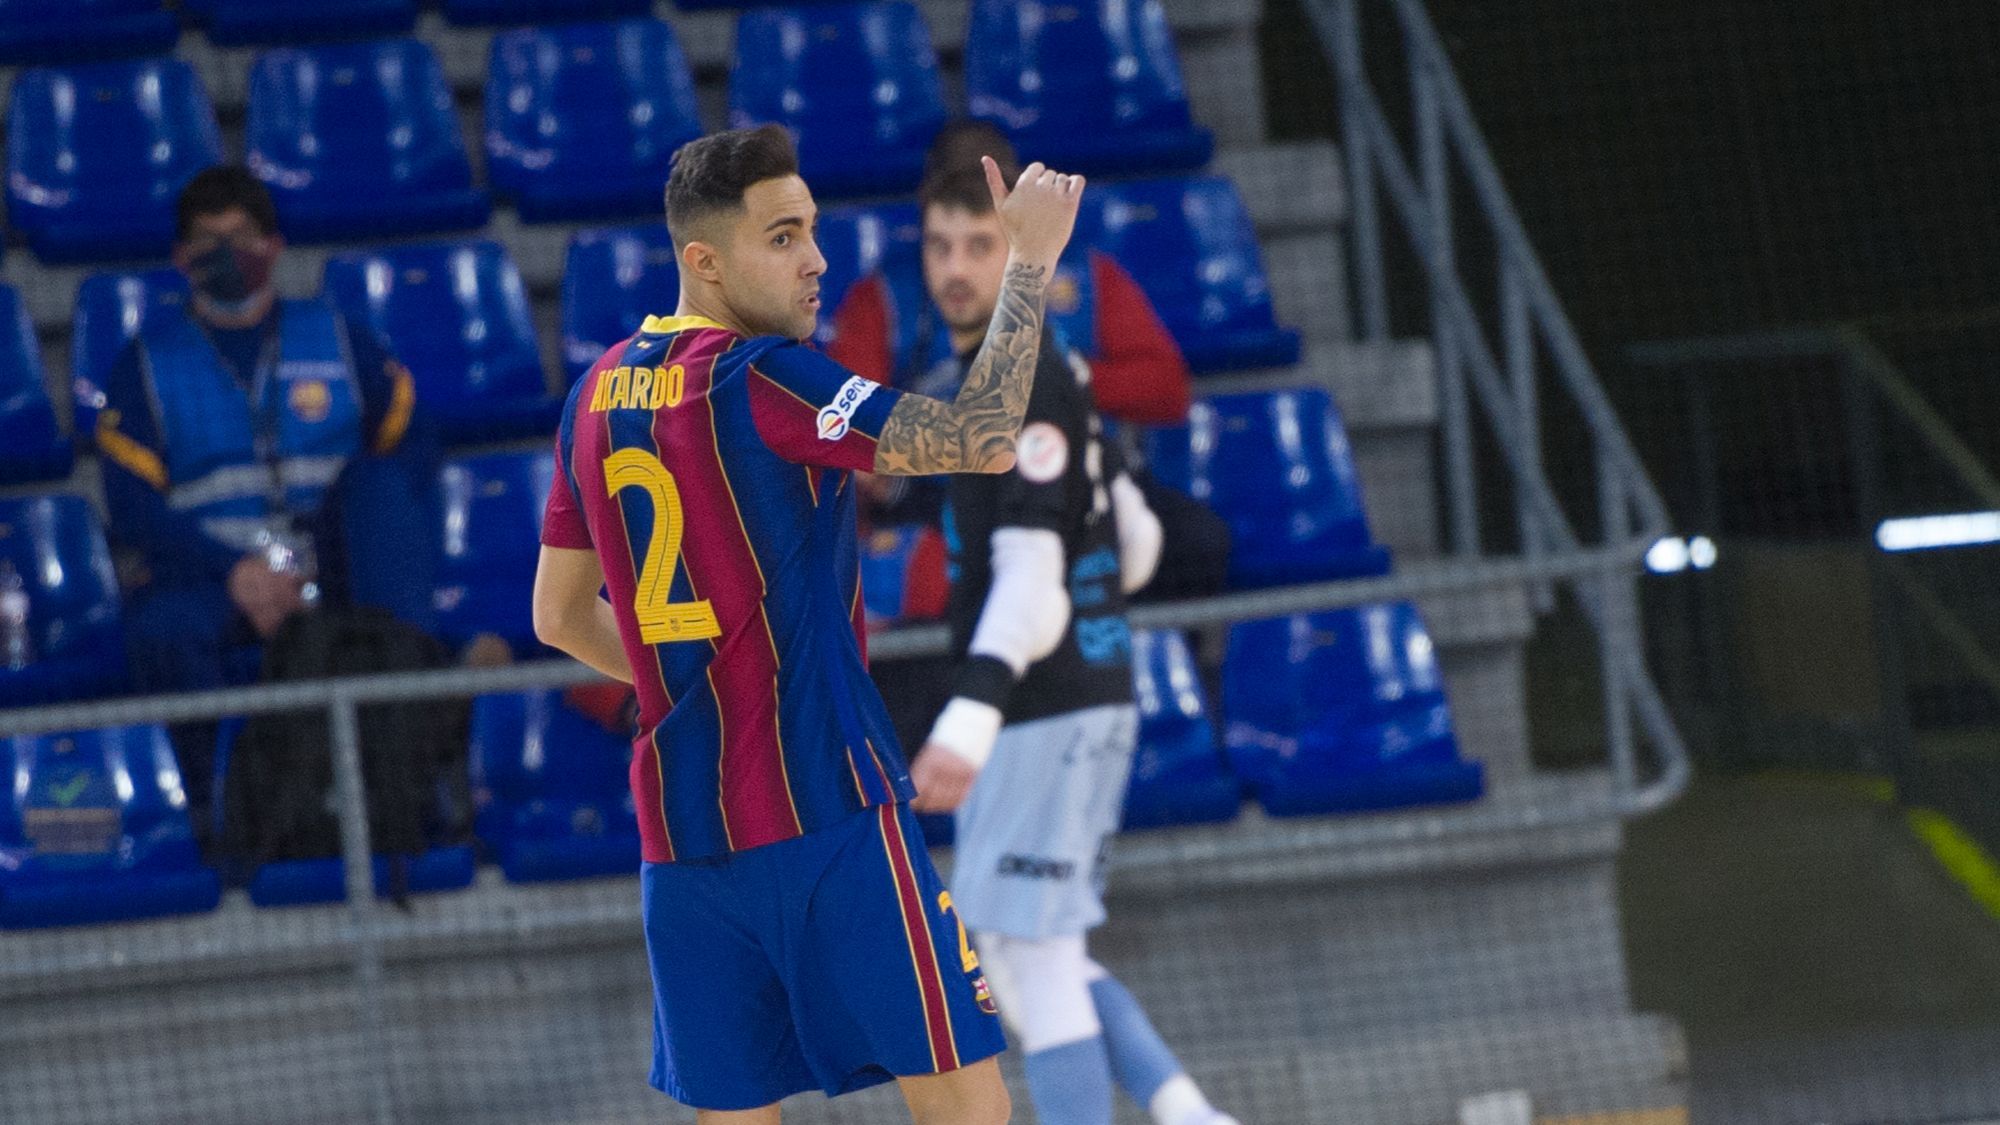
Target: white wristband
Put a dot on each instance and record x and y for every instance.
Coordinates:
(967, 728)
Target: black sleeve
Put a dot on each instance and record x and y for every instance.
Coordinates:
(1036, 491)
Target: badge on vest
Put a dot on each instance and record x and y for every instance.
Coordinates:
(1064, 296)
(310, 400)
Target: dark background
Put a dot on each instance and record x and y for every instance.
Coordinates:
(1706, 166)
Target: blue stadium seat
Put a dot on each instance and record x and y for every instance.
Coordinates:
(552, 788)
(76, 641)
(1278, 469)
(360, 140)
(97, 154)
(308, 882)
(492, 535)
(94, 828)
(1084, 85)
(470, 13)
(457, 315)
(613, 279)
(31, 447)
(582, 120)
(1190, 244)
(244, 23)
(111, 308)
(1179, 775)
(858, 241)
(41, 32)
(856, 83)
(1342, 711)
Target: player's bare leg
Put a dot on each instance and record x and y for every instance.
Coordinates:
(764, 1115)
(972, 1095)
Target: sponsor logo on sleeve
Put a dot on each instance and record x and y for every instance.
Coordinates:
(1041, 453)
(839, 415)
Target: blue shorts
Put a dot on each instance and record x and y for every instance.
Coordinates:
(832, 961)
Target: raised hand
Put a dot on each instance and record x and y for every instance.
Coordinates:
(1039, 214)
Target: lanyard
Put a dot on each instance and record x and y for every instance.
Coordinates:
(263, 409)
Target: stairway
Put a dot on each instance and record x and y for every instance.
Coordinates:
(1371, 969)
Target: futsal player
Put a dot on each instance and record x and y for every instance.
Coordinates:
(1041, 728)
(797, 934)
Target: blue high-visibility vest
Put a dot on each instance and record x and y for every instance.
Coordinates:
(244, 461)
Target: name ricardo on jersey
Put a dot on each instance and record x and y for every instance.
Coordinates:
(838, 415)
(638, 388)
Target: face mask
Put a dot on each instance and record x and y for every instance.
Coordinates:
(231, 277)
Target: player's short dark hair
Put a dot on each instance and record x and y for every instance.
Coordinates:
(963, 141)
(953, 176)
(224, 187)
(710, 174)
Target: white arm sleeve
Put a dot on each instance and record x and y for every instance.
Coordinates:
(1027, 606)
(1025, 616)
(1140, 536)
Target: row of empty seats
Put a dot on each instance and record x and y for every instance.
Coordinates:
(458, 314)
(39, 31)
(362, 139)
(95, 826)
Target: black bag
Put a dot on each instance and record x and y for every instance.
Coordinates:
(279, 792)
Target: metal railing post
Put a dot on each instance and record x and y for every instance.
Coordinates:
(1434, 168)
(351, 795)
(1864, 450)
(1618, 640)
(1344, 31)
(1517, 346)
(1488, 380)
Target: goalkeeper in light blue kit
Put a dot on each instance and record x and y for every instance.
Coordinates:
(1034, 749)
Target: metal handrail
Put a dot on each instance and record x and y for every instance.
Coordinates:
(1858, 353)
(1504, 384)
(1855, 351)
(342, 698)
(903, 642)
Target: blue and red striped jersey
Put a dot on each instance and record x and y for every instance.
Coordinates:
(712, 474)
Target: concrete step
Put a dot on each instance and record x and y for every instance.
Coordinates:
(1288, 186)
(1536, 820)
(562, 1037)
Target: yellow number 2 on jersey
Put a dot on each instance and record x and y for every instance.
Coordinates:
(660, 621)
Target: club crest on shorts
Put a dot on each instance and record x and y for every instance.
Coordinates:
(984, 994)
(835, 419)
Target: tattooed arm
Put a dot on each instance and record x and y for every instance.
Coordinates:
(975, 432)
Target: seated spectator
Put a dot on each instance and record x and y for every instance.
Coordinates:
(260, 455)
(1137, 374)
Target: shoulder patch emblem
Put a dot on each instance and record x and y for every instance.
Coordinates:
(1041, 453)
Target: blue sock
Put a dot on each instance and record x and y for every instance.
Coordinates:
(1141, 1059)
(1071, 1084)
